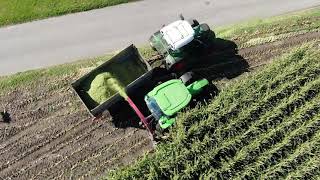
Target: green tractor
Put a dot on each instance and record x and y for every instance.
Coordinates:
(181, 43)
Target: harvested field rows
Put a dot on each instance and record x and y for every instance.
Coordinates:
(47, 139)
(264, 127)
(52, 136)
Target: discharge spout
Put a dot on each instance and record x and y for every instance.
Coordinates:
(138, 112)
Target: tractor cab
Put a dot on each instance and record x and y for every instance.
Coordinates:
(181, 39)
(168, 98)
(178, 34)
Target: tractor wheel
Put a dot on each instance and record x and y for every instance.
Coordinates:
(213, 34)
(208, 36)
(193, 22)
(205, 27)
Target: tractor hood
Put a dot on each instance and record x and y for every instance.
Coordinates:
(171, 96)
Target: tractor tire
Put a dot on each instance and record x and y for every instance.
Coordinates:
(152, 47)
(213, 35)
(209, 35)
(205, 27)
(193, 22)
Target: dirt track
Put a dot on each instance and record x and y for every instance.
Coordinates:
(52, 136)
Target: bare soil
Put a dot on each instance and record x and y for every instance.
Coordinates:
(52, 136)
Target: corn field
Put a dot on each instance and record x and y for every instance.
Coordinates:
(265, 126)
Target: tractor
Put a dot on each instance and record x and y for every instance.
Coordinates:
(181, 43)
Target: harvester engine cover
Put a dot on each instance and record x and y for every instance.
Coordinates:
(171, 96)
(165, 100)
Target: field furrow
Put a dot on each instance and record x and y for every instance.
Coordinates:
(302, 154)
(299, 116)
(308, 170)
(272, 124)
(82, 153)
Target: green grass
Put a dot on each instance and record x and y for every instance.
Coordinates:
(29, 78)
(259, 127)
(303, 21)
(17, 11)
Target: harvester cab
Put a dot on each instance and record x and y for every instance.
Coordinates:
(180, 40)
(170, 97)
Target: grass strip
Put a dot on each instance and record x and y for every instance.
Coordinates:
(16, 11)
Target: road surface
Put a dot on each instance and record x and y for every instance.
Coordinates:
(76, 36)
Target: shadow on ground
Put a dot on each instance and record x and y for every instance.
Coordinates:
(220, 61)
(223, 61)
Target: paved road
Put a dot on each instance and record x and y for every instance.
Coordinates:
(93, 33)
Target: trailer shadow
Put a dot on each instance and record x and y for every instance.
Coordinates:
(223, 61)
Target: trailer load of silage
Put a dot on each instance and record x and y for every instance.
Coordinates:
(103, 86)
(112, 79)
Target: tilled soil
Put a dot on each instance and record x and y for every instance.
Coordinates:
(52, 136)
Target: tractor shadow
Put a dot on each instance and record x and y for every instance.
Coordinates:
(223, 61)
